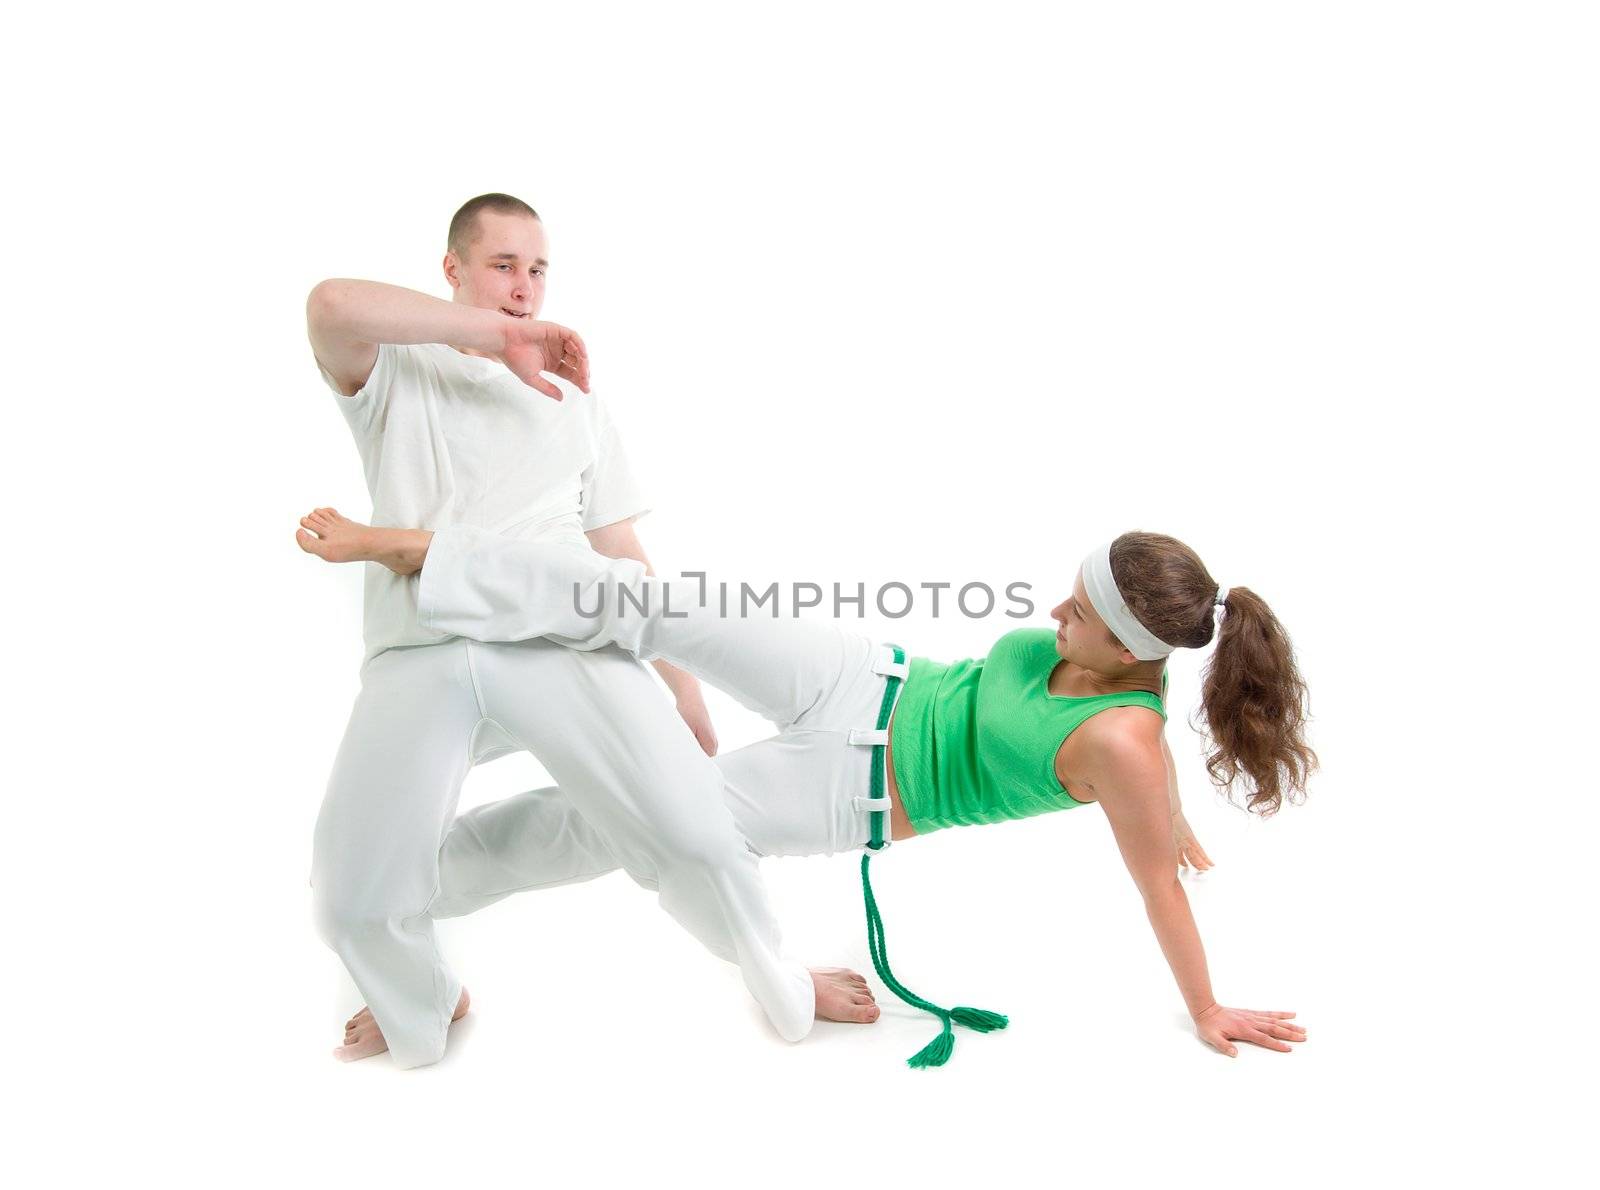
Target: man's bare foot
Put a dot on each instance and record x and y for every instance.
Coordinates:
(334, 538)
(842, 995)
(363, 1038)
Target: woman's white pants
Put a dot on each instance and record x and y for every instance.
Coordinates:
(799, 793)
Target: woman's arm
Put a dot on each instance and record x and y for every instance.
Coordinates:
(1126, 769)
(1128, 774)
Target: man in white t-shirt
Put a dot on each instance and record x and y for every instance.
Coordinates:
(440, 397)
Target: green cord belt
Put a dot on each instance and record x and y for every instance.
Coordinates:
(936, 1052)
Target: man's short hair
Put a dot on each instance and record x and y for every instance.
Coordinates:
(465, 223)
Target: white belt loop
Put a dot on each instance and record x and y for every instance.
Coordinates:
(873, 805)
(886, 665)
(869, 739)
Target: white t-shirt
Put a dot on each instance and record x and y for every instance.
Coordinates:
(452, 439)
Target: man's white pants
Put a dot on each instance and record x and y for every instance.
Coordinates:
(642, 796)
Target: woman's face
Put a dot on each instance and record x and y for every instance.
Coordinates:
(1082, 636)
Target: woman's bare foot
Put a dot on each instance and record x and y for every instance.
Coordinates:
(363, 1038)
(334, 538)
(842, 995)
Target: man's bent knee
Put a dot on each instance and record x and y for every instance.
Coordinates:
(342, 918)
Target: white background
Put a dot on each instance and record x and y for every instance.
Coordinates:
(927, 293)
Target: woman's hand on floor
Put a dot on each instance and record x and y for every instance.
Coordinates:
(1219, 1027)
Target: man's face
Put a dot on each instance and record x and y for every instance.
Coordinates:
(503, 267)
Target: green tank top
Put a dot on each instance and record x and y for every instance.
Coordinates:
(976, 741)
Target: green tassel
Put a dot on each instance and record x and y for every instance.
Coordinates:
(936, 1052)
(980, 1019)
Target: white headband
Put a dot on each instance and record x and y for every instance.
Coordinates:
(1107, 600)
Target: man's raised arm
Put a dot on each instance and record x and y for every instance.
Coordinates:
(346, 320)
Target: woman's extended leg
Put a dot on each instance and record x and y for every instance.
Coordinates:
(492, 588)
(487, 587)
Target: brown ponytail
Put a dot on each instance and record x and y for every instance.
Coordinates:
(1252, 694)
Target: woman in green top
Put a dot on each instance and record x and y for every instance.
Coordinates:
(1048, 720)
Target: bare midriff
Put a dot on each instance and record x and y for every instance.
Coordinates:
(899, 825)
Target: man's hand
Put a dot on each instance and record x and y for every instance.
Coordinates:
(1218, 1027)
(693, 709)
(533, 347)
(618, 540)
(1189, 851)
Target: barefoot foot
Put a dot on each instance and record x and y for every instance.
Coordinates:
(335, 538)
(363, 1038)
(842, 995)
